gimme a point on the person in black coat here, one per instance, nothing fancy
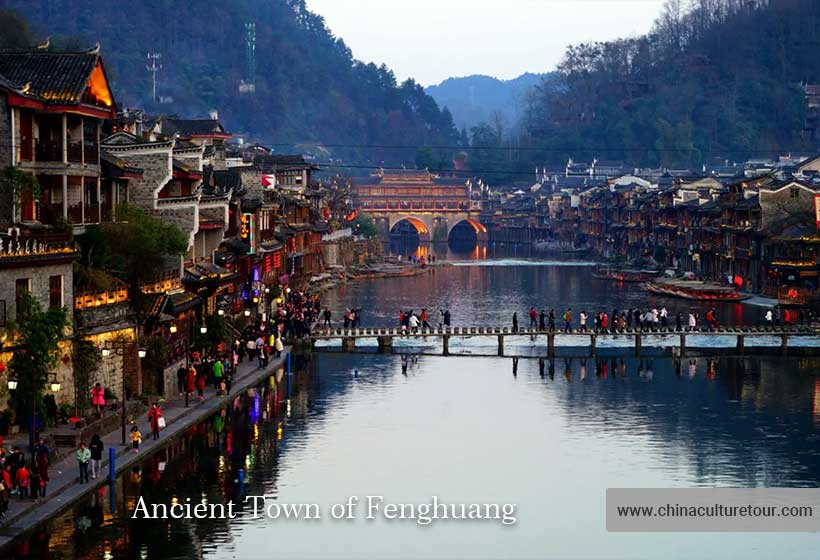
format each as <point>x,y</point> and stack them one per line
<point>96,448</point>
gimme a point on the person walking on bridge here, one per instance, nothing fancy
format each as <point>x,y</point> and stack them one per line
<point>551,321</point>
<point>542,321</point>
<point>326,315</point>
<point>533,317</point>
<point>515,322</point>
<point>583,318</point>
<point>568,320</point>
<point>413,322</point>
<point>424,322</point>
<point>446,317</point>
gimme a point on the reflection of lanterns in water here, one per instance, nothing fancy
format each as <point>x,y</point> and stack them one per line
<point>279,431</point>
<point>255,409</point>
<point>816,404</point>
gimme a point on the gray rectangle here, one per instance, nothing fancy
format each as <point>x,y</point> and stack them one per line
<point>713,510</point>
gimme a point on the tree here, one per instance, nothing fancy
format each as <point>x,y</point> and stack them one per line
<point>13,184</point>
<point>133,249</point>
<point>364,225</point>
<point>15,35</point>
<point>86,363</point>
<point>39,333</point>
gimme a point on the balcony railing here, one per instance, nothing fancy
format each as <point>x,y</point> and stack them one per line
<point>75,152</point>
<point>48,151</point>
<point>75,214</point>
<point>91,152</point>
<point>92,214</point>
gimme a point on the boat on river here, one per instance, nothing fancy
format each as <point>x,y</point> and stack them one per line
<point>695,290</point>
<point>626,274</point>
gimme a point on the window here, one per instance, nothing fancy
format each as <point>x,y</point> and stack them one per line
<point>55,290</point>
<point>22,286</point>
<point>2,313</point>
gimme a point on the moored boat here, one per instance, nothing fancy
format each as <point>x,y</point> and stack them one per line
<point>695,290</point>
<point>625,274</point>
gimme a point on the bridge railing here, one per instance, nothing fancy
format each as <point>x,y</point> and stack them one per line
<point>340,332</point>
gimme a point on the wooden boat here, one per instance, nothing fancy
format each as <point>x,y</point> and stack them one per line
<point>625,274</point>
<point>695,290</point>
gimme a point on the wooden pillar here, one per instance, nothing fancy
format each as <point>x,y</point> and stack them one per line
<point>784,344</point>
<point>65,197</point>
<point>348,344</point>
<point>501,345</point>
<point>592,340</point>
<point>637,344</point>
<point>682,345</point>
<point>551,345</point>
<point>741,343</point>
<point>445,351</point>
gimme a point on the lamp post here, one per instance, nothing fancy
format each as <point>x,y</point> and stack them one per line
<point>121,346</point>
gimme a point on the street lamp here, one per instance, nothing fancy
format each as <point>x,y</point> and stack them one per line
<point>12,384</point>
<point>220,312</point>
<point>55,385</point>
<point>173,329</point>
<point>141,353</point>
<point>106,352</point>
<point>247,313</point>
<point>203,329</point>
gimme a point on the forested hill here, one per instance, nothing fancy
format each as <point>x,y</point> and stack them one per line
<point>308,86</point>
<point>477,98</point>
<point>721,78</point>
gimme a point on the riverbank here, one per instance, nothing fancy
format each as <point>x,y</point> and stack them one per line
<point>64,488</point>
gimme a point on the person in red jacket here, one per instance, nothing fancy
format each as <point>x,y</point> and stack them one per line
<point>23,479</point>
<point>154,416</point>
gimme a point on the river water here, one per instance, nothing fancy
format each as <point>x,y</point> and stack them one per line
<point>547,435</point>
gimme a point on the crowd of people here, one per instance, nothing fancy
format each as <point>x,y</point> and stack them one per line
<point>215,366</point>
<point>645,320</point>
<point>410,321</point>
<point>27,479</point>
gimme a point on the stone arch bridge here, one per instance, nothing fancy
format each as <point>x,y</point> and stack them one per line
<point>428,224</point>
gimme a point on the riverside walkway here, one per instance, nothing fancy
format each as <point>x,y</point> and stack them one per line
<point>589,340</point>
<point>64,488</point>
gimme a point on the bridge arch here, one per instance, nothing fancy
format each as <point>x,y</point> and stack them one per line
<point>478,228</point>
<point>422,226</point>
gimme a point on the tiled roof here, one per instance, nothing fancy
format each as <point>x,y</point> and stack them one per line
<point>58,78</point>
<point>191,127</point>
<point>113,167</point>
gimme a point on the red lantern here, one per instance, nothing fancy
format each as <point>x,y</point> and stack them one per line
<point>2,367</point>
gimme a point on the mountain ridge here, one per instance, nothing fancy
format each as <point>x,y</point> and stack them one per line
<point>477,98</point>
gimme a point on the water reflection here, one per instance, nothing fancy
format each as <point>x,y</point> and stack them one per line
<point>364,424</point>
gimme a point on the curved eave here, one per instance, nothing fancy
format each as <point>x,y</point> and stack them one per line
<point>19,100</point>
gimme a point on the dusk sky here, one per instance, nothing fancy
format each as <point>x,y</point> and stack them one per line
<point>431,40</point>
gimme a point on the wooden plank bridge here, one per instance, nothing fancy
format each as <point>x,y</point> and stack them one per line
<point>639,339</point>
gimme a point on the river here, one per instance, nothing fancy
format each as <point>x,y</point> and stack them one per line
<point>548,436</point>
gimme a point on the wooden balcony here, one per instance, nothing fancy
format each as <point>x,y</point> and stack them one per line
<point>48,151</point>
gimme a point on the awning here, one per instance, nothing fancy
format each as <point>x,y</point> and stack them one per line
<point>181,302</point>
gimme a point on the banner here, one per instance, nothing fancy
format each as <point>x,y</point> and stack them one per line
<point>817,210</point>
